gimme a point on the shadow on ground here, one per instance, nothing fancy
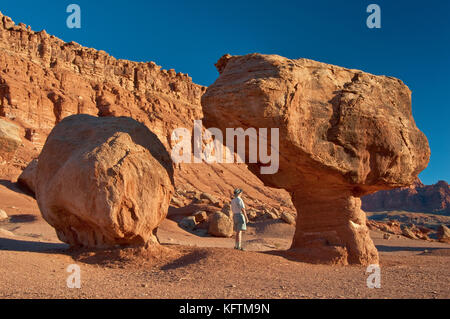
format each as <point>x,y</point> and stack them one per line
<point>15,187</point>
<point>24,218</point>
<point>31,246</point>
<point>186,260</point>
<point>382,248</point>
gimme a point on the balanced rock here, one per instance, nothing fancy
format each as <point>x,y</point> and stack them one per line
<point>220,225</point>
<point>342,134</point>
<point>103,182</point>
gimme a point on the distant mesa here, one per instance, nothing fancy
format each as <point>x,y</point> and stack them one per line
<point>415,198</point>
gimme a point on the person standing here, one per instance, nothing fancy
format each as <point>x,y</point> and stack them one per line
<point>240,217</point>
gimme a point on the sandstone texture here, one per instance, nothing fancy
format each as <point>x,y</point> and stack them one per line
<point>343,134</point>
<point>102,182</point>
<point>415,198</point>
<point>44,79</point>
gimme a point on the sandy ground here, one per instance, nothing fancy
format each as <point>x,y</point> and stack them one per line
<point>33,264</point>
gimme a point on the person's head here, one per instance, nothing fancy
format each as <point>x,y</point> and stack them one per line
<point>237,192</point>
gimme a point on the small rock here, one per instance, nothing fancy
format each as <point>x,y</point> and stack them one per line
<point>270,215</point>
<point>387,236</point>
<point>188,223</point>
<point>226,209</point>
<point>9,137</point>
<point>288,218</point>
<point>209,197</point>
<point>408,233</point>
<point>3,215</point>
<point>252,214</point>
<point>177,202</point>
<point>443,233</point>
<point>200,216</point>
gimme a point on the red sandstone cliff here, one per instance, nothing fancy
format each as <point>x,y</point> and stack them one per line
<point>43,80</point>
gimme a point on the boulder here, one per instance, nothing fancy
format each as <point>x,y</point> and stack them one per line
<point>443,233</point>
<point>103,182</point>
<point>10,139</point>
<point>220,225</point>
<point>188,223</point>
<point>28,176</point>
<point>343,134</point>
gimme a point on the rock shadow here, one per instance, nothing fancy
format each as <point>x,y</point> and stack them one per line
<point>16,187</point>
<point>7,244</point>
<point>24,218</point>
<point>186,260</point>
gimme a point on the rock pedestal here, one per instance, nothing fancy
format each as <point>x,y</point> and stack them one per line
<point>331,228</point>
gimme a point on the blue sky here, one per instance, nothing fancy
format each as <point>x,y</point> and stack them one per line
<point>413,43</point>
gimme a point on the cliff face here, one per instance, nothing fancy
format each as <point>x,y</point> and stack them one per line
<point>416,198</point>
<point>43,80</point>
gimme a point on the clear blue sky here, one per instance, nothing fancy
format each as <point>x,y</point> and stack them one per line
<point>190,36</point>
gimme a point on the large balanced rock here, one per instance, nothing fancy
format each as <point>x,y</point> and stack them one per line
<point>102,182</point>
<point>342,134</point>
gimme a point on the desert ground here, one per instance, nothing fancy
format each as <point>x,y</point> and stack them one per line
<point>33,264</point>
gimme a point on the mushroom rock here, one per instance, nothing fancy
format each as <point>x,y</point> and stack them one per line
<point>103,182</point>
<point>343,134</point>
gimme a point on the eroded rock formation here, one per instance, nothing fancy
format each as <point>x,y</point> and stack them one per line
<point>343,134</point>
<point>102,182</point>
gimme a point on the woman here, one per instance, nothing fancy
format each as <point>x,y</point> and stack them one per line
<point>239,217</point>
